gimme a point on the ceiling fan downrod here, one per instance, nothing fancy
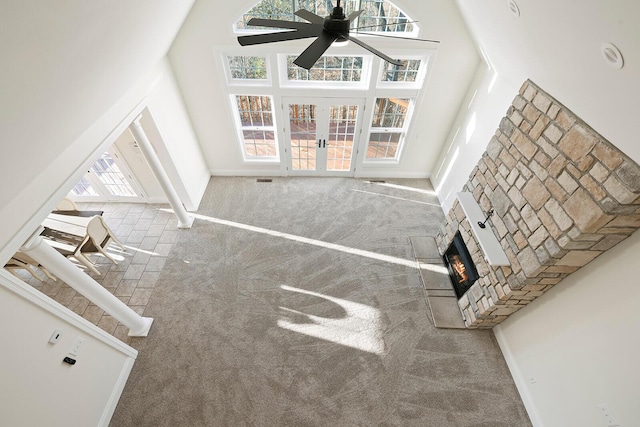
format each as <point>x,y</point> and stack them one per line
<point>337,22</point>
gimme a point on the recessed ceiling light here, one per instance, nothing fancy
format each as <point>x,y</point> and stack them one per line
<point>611,55</point>
<point>513,7</point>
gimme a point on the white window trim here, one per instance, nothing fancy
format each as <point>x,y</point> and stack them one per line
<point>246,82</point>
<point>240,136</point>
<point>420,77</point>
<point>403,131</point>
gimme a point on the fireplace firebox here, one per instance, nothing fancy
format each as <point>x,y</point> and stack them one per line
<point>462,269</point>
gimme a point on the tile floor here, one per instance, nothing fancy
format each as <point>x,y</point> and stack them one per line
<point>148,232</point>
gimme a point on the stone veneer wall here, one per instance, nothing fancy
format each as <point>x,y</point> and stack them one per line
<point>562,195</point>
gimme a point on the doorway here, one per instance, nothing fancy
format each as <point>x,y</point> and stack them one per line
<point>322,135</point>
<point>109,179</point>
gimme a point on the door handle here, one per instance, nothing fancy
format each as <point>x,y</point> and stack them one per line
<point>324,143</point>
<point>319,143</point>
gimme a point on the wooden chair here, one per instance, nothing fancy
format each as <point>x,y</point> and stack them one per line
<point>20,260</point>
<point>66,204</point>
<point>98,237</point>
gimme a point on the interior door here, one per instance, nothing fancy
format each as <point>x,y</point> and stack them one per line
<point>322,135</point>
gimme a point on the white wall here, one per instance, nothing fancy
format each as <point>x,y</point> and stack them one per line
<point>195,57</point>
<point>139,166</point>
<point>169,129</point>
<point>486,102</point>
<point>581,341</point>
<point>37,388</point>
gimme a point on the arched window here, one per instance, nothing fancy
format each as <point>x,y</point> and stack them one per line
<point>377,16</point>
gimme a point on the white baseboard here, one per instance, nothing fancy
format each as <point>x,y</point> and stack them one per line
<point>359,175</point>
<point>518,378</point>
<point>244,172</point>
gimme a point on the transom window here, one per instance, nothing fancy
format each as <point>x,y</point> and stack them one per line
<point>247,67</point>
<point>255,116</point>
<point>327,69</point>
<point>377,15</point>
<point>407,72</point>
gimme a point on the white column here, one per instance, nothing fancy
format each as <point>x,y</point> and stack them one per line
<point>184,220</point>
<point>70,274</point>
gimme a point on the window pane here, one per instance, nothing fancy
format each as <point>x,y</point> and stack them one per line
<point>327,69</point>
<point>111,177</point>
<point>83,188</point>
<point>383,145</point>
<point>258,143</point>
<point>390,112</point>
<point>256,120</point>
<point>248,67</point>
<point>254,110</point>
<point>380,15</point>
<point>407,72</point>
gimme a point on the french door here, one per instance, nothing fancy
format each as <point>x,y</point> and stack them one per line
<point>108,180</point>
<point>322,135</point>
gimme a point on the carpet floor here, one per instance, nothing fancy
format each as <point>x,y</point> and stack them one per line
<point>298,303</point>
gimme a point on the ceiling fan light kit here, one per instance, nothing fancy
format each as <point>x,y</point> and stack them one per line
<point>331,30</point>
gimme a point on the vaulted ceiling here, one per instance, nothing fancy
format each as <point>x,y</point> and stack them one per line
<point>65,63</point>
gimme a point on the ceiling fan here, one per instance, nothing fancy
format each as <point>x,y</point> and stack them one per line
<point>334,27</point>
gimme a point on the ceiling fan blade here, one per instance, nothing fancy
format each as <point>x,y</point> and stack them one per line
<point>315,50</point>
<point>372,50</point>
<point>354,15</point>
<point>309,16</point>
<point>397,37</point>
<point>278,37</point>
<point>278,23</point>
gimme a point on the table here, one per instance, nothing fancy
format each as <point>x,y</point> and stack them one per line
<point>73,226</point>
<point>78,213</point>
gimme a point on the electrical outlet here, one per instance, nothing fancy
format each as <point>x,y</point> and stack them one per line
<point>608,416</point>
<point>76,346</point>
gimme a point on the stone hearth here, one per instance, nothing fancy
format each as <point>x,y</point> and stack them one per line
<point>562,195</point>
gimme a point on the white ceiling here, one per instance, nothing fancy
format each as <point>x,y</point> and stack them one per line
<point>557,45</point>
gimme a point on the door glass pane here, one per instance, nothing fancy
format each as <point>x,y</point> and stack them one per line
<point>110,175</point>
<point>83,188</point>
<point>342,128</point>
<point>302,122</point>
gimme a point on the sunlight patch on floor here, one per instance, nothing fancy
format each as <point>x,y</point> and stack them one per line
<point>438,268</point>
<point>404,187</point>
<point>359,328</point>
<point>396,197</point>
<point>314,242</point>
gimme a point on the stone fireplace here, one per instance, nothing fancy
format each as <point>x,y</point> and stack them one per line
<point>562,195</point>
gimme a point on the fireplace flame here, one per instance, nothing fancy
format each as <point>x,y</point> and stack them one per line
<point>459,269</point>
